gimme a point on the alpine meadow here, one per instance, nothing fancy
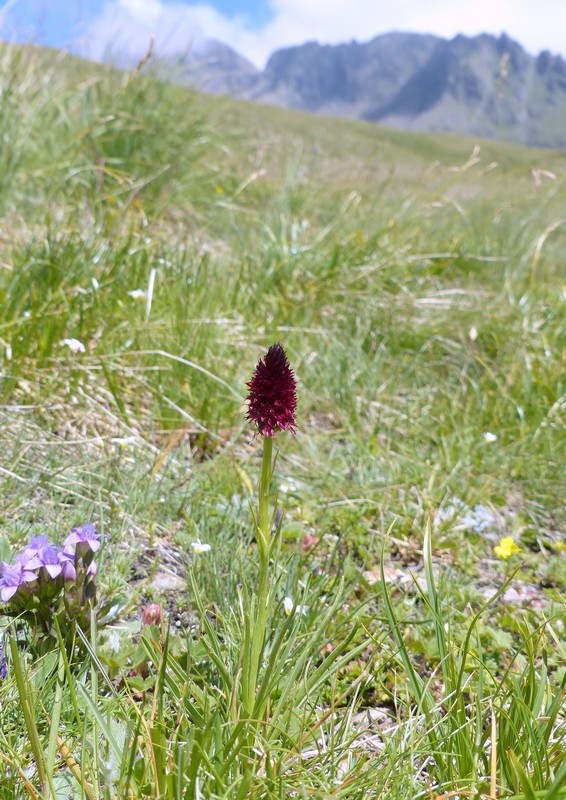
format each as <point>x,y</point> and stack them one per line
<point>282,423</point>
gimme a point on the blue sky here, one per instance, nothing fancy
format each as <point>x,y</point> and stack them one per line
<point>257,27</point>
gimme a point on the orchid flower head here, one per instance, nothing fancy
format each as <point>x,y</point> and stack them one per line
<point>272,397</point>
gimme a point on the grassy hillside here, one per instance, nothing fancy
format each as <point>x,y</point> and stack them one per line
<point>418,285</point>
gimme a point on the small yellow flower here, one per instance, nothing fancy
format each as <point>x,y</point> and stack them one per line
<point>506,547</point>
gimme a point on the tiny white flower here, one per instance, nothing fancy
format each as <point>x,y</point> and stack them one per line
<point>137,294</point>
<point>124,441</point>
<point>291,485</point>
<point>74,345</point>
<point>114,641</point>
<point>473,333</point>
<point>490,437</point>
<point>288,605</point>
<point>200,547</point>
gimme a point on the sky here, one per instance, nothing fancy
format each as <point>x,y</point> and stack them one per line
<point>122,29</point>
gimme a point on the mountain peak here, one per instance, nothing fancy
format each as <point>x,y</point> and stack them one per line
<point>483,85</point>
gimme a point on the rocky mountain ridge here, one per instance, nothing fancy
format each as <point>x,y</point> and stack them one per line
<point>482,86</point>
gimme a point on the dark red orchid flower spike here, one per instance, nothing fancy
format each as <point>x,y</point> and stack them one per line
<point>273,394</point>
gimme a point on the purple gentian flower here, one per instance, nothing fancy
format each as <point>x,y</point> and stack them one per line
<point>13,576</point>
<point>40,553</point>
<point>30,556</point>
<point>82,541</point>
<point>51,560</point>
<point>38,543</point>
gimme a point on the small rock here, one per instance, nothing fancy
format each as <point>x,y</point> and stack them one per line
<point>168,582</point>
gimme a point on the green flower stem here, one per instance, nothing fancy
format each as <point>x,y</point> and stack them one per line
<point>94,681</point>
<point>264,532</point>
<point>263,535</point>
<point>26,700</point>
<point>56,713</point>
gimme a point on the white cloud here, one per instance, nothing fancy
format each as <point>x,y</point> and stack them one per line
<point>341,20</point>
<point>126,26</point>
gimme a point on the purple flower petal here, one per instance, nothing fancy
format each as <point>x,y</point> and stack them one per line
<point>8,592</point>
<point>53,570</point>
<point>38,543</point>
<point>50,555</point>
<point>69,549</point>
<point>87,531</point>
<point>68,571</point>
<point>29,560</point>
<point>28,576</point>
